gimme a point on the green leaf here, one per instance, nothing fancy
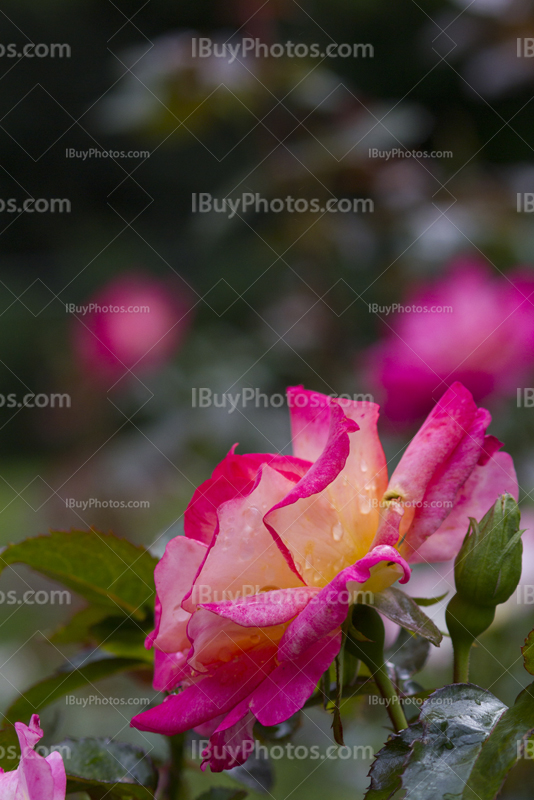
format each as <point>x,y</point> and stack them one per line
<point>123,637</point>
<point>528,653</point>
<point>104,569</point>
<point>65,682</point>
<point>78,629</point>
<point>222,793</point>
<point>500,752</point>
<point>108,769</point>
<point>429,601</point>
<point>409,654</point>
<point>9,748</point>
<point>456,721</point>
<point>386,770</point>
<point>403,610</point>
<point>433,758</point>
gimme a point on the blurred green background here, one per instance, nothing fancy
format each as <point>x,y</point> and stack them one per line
<point>266,300</point>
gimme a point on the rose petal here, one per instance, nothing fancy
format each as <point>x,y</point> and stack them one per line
<point>307,520</point>
<point>450,476</point>
<point>310,421</point>
<point>231,746</point>
<point>174,575</point>
<point>169,670</point>
<point>476,497</point>
<point>287,688</point>
<point>266,608</point>
<point>389,527</point>
<point>432,445</point>
<point>216,640</point>
<point>35,778</point>
<point>208,698</point>
<point>490,447</point>
<point>243,558</point>
<point>329,608</point>
<point>233,477</point>
<point>59,776</point>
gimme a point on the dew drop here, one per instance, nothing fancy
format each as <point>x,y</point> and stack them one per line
<point>252,516</point>
<point>225,654</point>
<point>365,505</point>
<point>337,532</point>
<point>363,465</point>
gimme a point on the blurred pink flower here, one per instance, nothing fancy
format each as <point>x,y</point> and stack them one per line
<point>486,341</point>
<point>135,322</point>
<point>36,777</point>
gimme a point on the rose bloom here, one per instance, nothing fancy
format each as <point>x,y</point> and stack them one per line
<point>36,777</point>
<point>486,341</point>
<point>116,335</point>
<point>250,601</point>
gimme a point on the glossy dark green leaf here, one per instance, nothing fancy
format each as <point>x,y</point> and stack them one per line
<point>107,769</point>
<point>434,757</point>
<point>502,749</point>
<point>403,610</point>
<point>387,769</point>
<point>408,653</point>
<point>62,683</point>
<point>528,653</point>
<point>222,793</point>
<point>456,721</point>
<point>104,569</point>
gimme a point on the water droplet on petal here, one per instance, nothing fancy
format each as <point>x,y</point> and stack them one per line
<point>225,654</point>
<point>365,505</point>
<point>253,516</point>
<point>337,532</point>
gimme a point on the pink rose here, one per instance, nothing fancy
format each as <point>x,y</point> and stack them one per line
<point>135,322</point>
<point>251,599</point>
<point>36,777</point>
<point>486,341</point>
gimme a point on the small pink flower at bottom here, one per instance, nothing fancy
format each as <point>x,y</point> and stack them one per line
<point>250,602</point>
<point>36,777</point>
